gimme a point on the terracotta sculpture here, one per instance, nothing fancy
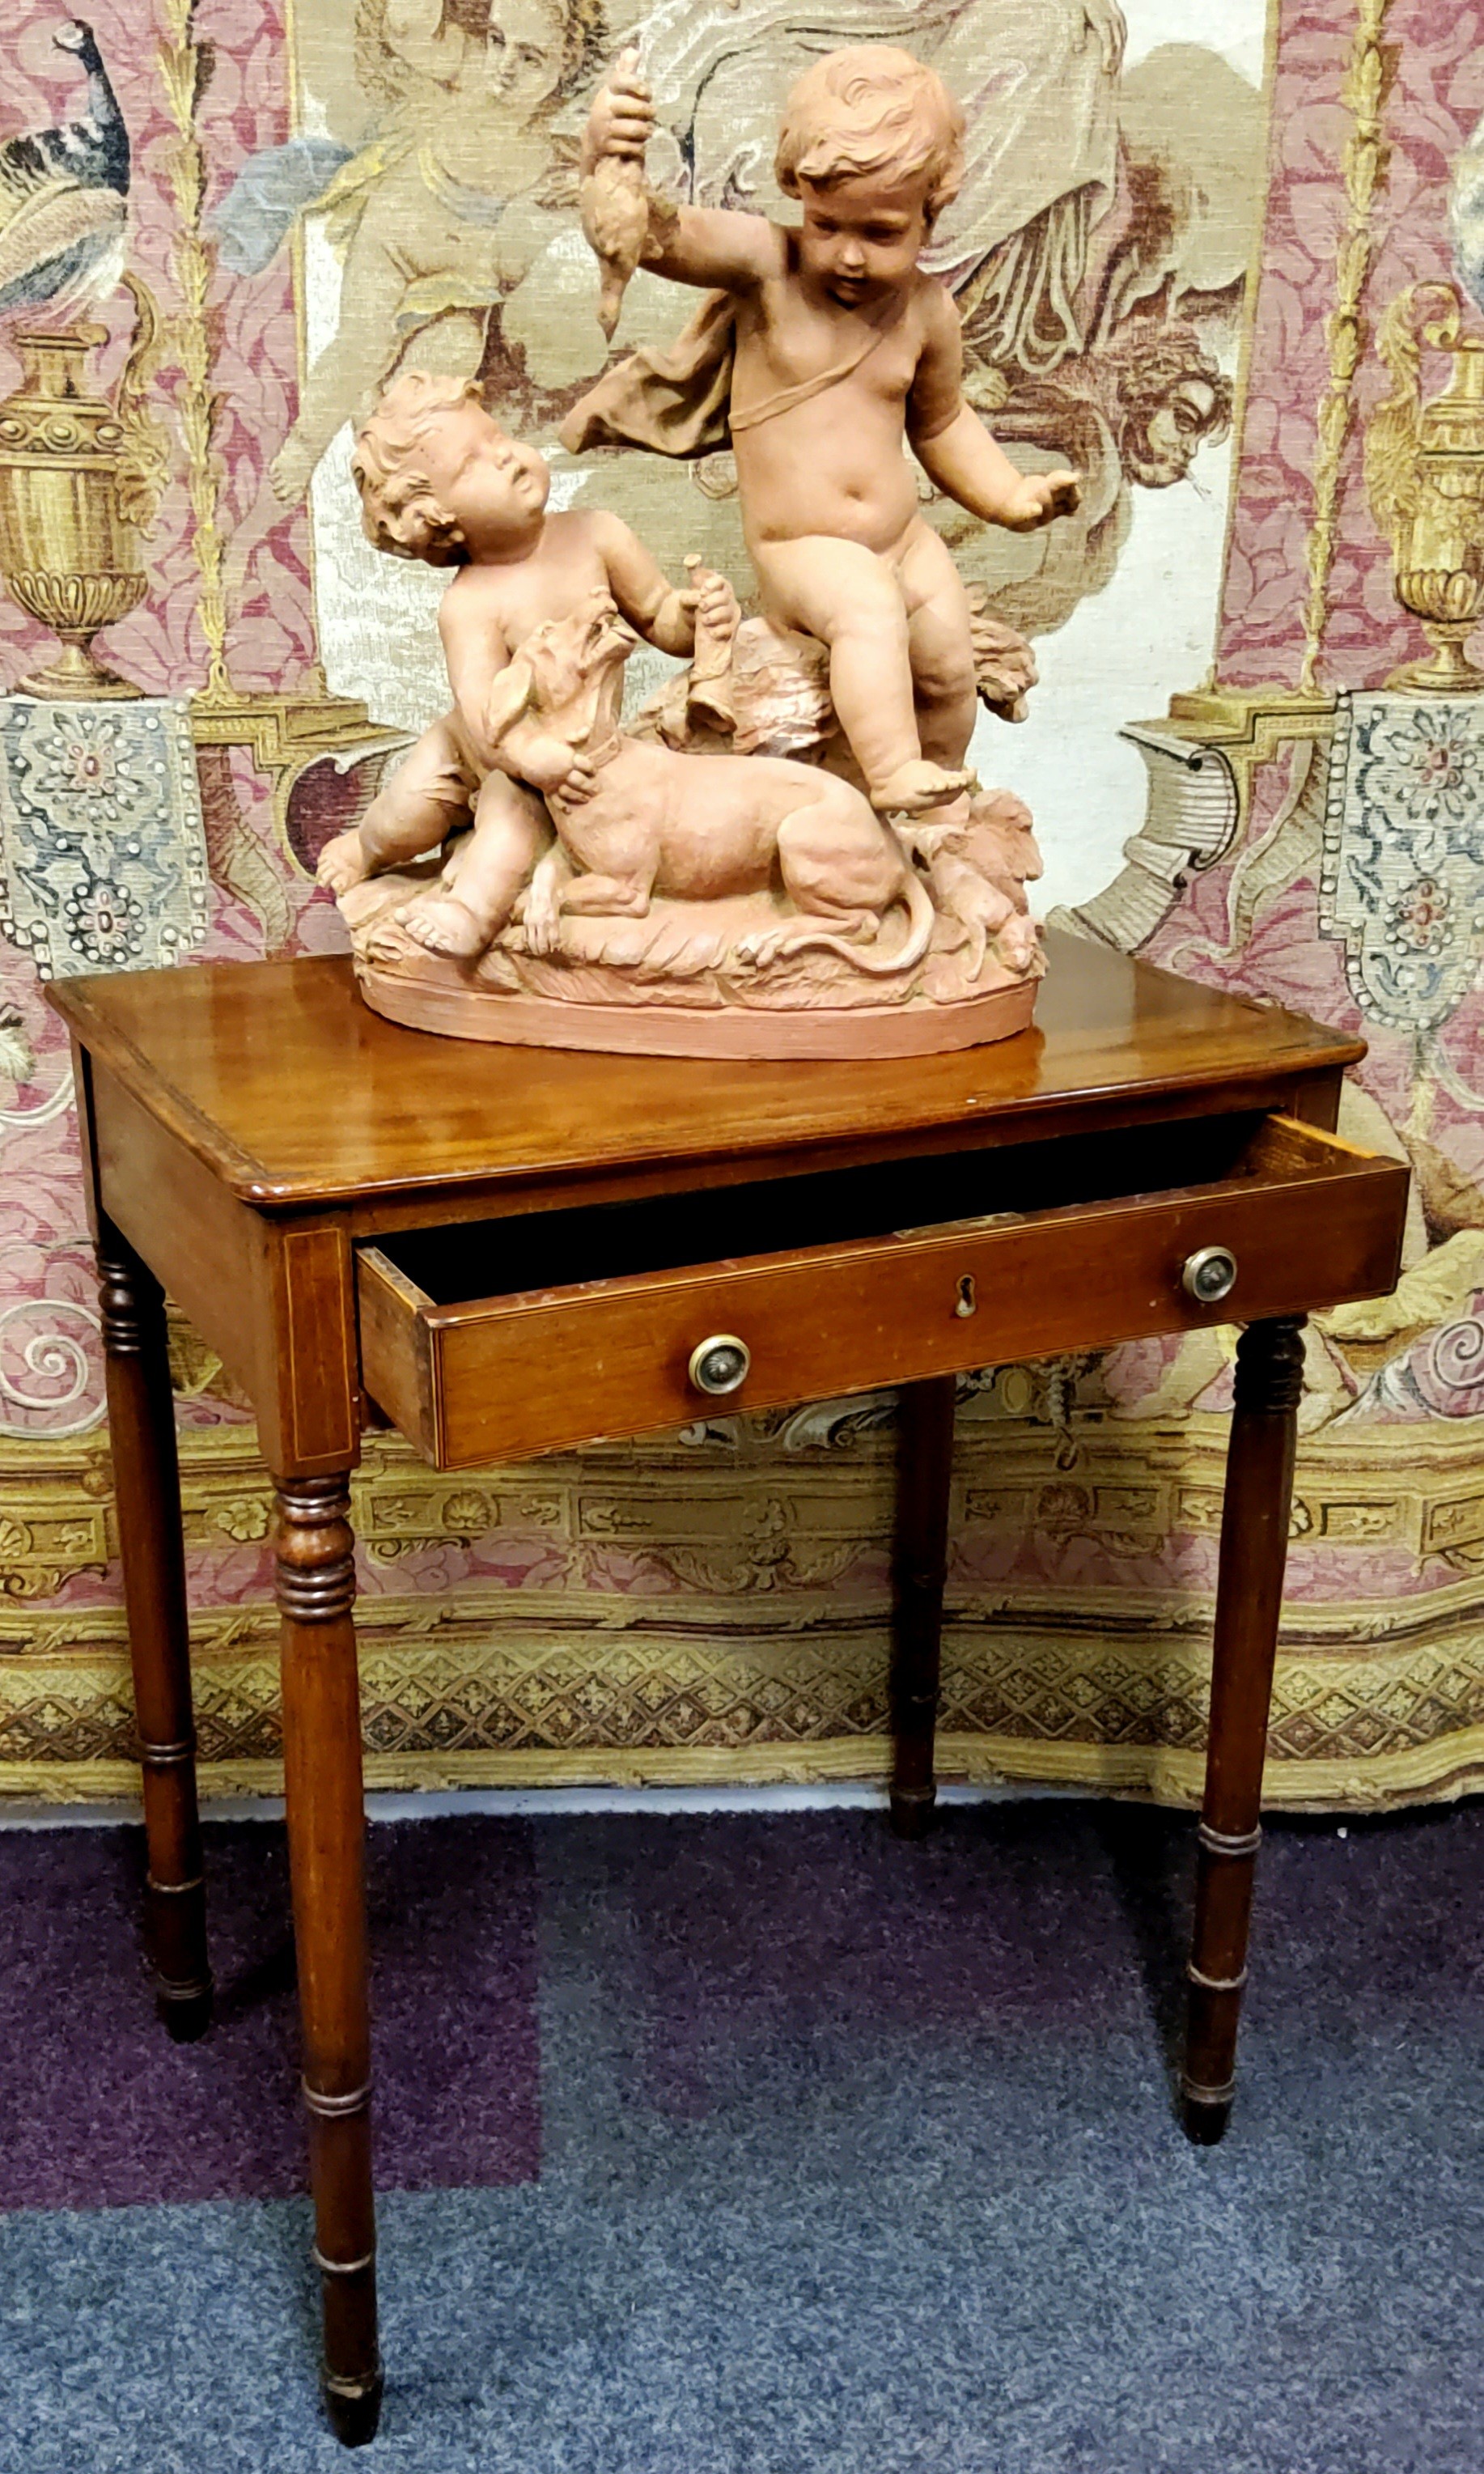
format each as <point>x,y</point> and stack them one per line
<point>683,884</point>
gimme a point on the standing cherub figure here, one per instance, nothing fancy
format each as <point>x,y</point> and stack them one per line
<point>842,347</point>
<point>440,480</point>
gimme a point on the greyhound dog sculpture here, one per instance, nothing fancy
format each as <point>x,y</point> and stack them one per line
<point>695,828</point>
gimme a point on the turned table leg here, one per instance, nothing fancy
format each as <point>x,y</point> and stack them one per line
<point>925,1414</point>
<point>147,1494</point>
<point>1249,1600</point>
<point>322,1765</point>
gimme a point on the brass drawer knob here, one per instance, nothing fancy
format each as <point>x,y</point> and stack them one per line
<point>719,1364</point>
<point>1210,1275</point>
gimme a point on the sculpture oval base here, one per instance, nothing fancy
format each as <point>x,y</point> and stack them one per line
<point>651,1029</point>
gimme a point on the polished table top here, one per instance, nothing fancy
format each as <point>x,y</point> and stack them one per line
<point>297,1096</point>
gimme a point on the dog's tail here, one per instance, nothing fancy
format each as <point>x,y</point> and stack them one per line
<point>921,920</point>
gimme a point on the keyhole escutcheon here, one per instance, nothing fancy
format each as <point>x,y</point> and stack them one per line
<point>967,1302</point>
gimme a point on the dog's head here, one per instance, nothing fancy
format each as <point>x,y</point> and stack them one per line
<point>564,671</point>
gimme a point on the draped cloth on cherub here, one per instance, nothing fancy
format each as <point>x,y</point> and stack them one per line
<point>677,400</point>
<point>674,399</point>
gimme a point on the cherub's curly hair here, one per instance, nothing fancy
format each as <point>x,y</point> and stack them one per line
<point>383,76</point>
<point>871,109</point>
<point>399,509</point>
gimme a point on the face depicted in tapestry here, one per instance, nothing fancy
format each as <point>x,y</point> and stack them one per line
<point>441,212</point>
<point>1135,416</point>
<point>1163,449</point>
<point>524,57</point>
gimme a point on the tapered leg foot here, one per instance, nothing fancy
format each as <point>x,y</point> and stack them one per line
<point>322,1767</point>
<point>184,2011</point>
<point>911,1813</point>
<point>924,1474</point>
<point>176,1913</point>
<point>353,2408</point>
<point>1206,2117</point>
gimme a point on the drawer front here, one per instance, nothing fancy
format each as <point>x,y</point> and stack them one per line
<point>504,1377</point>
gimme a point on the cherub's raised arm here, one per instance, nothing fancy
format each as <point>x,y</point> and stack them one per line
<point>714,246</point>
<point>704,245</point>
<point>641,587</point>
<point>710,246</point>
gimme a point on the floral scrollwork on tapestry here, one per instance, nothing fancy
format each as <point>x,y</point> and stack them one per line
<point>103,856</point>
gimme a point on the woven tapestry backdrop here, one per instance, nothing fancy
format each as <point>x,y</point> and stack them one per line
<point>1179,251</point>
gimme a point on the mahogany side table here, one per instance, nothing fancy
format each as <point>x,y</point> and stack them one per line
<point>510,1251</point>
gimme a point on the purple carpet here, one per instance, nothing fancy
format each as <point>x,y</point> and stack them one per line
<point>98,2109</point>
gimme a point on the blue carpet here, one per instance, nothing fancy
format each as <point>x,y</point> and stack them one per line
<point>856,2159</point>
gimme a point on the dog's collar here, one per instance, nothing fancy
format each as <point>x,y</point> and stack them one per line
<point>606,751</point>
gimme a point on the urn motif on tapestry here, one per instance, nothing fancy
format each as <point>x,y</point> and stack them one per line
<point>80,480</point>
<point>1425,475</point>
<point>81,474</point>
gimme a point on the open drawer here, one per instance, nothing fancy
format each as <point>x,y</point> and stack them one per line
<point>495,1339</point>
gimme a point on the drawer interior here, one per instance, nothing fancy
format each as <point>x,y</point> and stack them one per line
<point>541,1251</point>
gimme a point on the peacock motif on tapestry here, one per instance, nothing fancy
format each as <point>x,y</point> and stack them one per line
<point>64,197</point>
